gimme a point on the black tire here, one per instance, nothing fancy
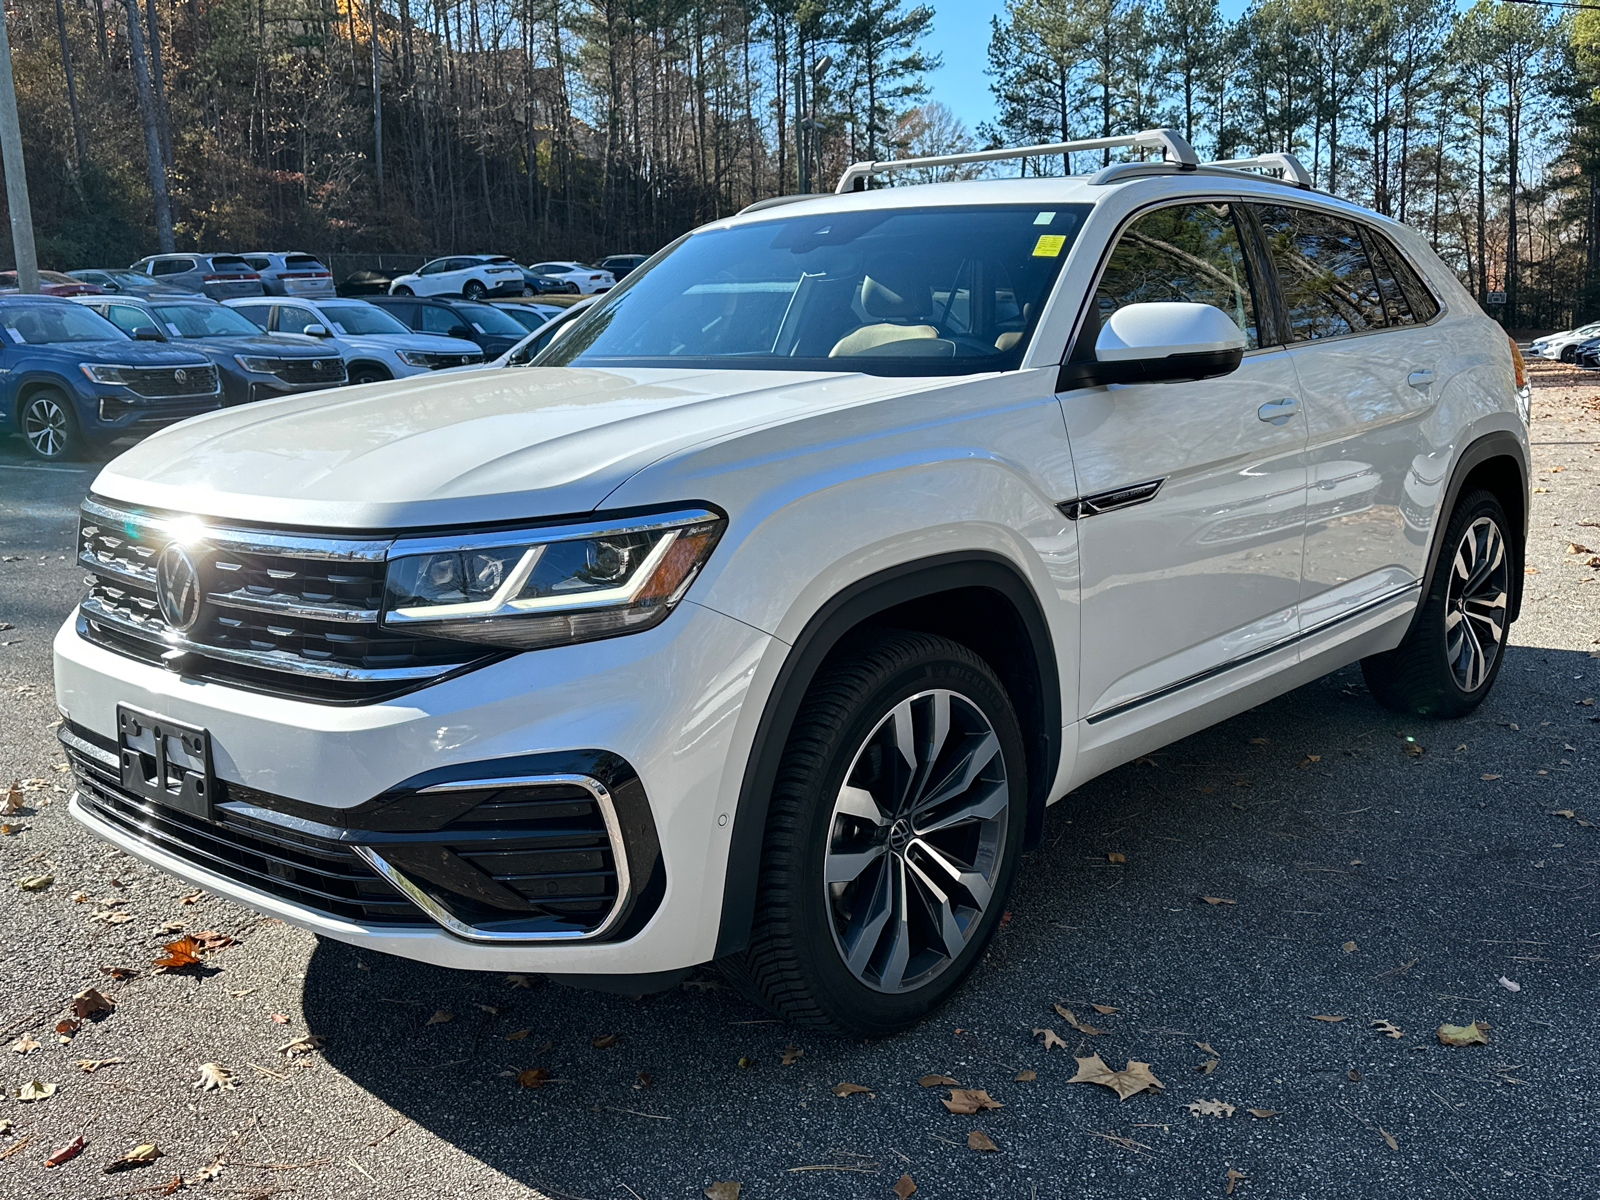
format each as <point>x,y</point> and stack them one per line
<point>527,291</point>
<point>474,290</point>
<point>403,290</point>
<point>1434,672</point>
<point>572,289</point>
<point>796,962</point>
<point>368,373</point>
<point>50,426</point>
<point>1569,353</point>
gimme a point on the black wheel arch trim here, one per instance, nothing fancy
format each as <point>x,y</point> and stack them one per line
<point>1499,443</point>
<point>844,612</point>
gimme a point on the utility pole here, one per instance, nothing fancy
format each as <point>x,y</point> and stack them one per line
<point>16,175</point>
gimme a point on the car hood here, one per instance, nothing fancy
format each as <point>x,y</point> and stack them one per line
<point>470,447</point>
<point>123,350</point>
<point>383,342</point>
<point>293,345</point>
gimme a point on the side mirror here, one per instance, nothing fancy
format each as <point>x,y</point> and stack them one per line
<point>1159,343</point>
<point>317,329</point>
<point>459,331</point>
<point>147,333</point>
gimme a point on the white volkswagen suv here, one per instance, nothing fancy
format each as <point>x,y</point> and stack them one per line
<point>761,623</point>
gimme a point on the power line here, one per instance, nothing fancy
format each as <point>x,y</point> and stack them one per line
<point>1555,4</point>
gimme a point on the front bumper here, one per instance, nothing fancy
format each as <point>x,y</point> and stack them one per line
<point>665,702</point>
<point>113,412</point>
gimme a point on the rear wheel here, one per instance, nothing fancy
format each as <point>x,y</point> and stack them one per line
<point>572,289</point>
<point>402,290</point>
<point>474,290</point>
<point>1452,654</point>
<point>51,427</point>
<point>1568,353</point>
<point>894,831</point>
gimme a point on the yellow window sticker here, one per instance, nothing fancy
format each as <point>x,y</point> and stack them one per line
<point>1049,245</point>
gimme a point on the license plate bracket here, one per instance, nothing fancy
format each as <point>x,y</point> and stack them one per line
<point>166,761</point>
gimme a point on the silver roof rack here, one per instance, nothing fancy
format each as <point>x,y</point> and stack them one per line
<point>1287,165</point>
<point>1173,144</point>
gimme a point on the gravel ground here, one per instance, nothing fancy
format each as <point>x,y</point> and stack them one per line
<point>1366,881</point>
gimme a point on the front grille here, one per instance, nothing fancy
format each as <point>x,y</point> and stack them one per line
<point>438,362</point>
<point>289,614</point>
<point>163,382</point>
<point>309,370</point>
<point>319,873</point>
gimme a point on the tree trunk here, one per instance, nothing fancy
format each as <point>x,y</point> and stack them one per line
<point>72,89</point>
<point>158,86</point>
<point>155,164</point>
<point>377,105</point>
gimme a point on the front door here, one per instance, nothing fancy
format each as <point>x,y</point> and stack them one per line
<point>1191,496</point>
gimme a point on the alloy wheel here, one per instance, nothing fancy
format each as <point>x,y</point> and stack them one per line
<point>916,841</point>
<point>47,427</point>
<point>1475,605</point>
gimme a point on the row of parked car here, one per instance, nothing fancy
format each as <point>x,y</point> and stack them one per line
<point>80,372</point>
<point>1580,346</point>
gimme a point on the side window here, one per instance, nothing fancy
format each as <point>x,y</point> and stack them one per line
<point>294,319</point>
<point>1187,252</point>
<point>432,268</point>
<point>258,313</point>
<point>259,263</point>
<point>1424,307</point>
<point>168,266</point>
<point>128,318</point>
<point>1394,301</point>
<point>439,320</point>
<point>1328,284</point>
<point>406,314</point>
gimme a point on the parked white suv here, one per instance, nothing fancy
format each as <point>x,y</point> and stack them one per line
<point>761,623</point>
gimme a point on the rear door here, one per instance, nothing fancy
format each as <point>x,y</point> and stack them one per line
<point>1368,363</point>
<point>1191,496</point>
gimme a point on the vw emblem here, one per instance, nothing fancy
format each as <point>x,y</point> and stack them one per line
<point>178,588</point>
<point>316,364</point>
<point>180,376</point>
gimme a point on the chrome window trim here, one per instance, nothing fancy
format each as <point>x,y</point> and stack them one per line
<point>472,933</point>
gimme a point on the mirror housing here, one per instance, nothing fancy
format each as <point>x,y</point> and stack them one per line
<point>147,333</point>
<point>1167,342</point>
<point>317,330</point>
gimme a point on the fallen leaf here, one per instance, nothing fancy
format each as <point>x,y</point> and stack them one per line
<point>1388,1029</point>
<point>1564,812</point>
<point>903,1187</point>
<point>185,952</point>
<point>1264,1112</point>
<point>727,1189</point>
<point>544,1047</point>
<point>645,1079</point>
<point>35,1090</point>
<point>8,828</point>
<point>68,1026</point>
<point>604,1041</point>
<point>970,1100</point>
<point>35,883</point>
<point>1210,1108</point>
<point>1026,1075</point>
<point>1353,1075</point>
<point>24,1044</point>
<point>139,1156</point>
<point>518,981</point>
<point>1538,491</point>
<point>112,916</point>
<point>7,1127</point>
<point>210,939</point>
<point>88,1002</point>
<point>13,799</point>
<point>1349,947</point>
<point>1464,1035</point>
<point>1260,741</point>
<point>279,1019</point>
<point>66,1153</point>
<point>211,1172</point>
<point>1116,858</point>
<point>306,1044</point>
<point>120,972</point>
<point>1051,1038</point>
<point>849,1089</point>
<point>791,1055</point>
<point>937,1081</point>
<point>91,1065</point>
<point>1206,1046</point>
<point>1488,778</point>
<point>190,897</point>
<point>1509,985</point>
<point>1234,1178</point>
<point>1072,1020</point>
<point>746,1062</point>
<point>1413,749</point>
<point>1207,1067</point>
<point>518,1035</point>
<point>977,1139</point>
<point>1308,760</point>
<point>215,1077</point>
<point>1132,1079</point>
<point>175,1185</point>
<point>1105,1010</point>
<point>441,1016</point>
<point>1327,1018</point>
<point>533,1077</point>
<point>1388,1138</point>
<point>1217,900</point>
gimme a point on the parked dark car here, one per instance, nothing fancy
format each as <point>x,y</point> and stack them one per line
<point>530,315</point>
<point>366,283</point>
<point>493,330</point>
<point>1586,355</point>
<point>286,273</point>
<point>71,382</point>
<point>123,282</point>
<point>52,283</point>
<point>220,276</point>
<point>620,264</point>
<point>254,365</point>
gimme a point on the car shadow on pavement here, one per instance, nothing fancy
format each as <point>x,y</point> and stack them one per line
<point>1335,837</point>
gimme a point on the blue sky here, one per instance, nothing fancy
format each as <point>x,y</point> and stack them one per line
<point>961,37</point>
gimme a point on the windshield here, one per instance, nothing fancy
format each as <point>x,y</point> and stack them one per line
<point>361,318</point>
<point>485,318</point>
<point>40,324</point>
<point>199,321</point>
<point>934,291</point>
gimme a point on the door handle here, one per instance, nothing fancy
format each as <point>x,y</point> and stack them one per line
<point>1276,412</point>
<point>1420,379</point>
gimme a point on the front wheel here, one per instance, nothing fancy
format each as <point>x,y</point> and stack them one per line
<point>474,290</point>
<point>894,831</point>
<point>364,373</point>
<point>51,427</point>
<point>1569,353</point>
<point>1452,654</point>
<point>402,290</point>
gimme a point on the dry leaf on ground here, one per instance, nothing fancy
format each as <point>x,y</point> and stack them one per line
<point>645,1079</point>
<point>215,1077</point>
<point>938,1081</point>
<point>904,1186</point>
<point>970,1100</point>
<point>1116,858</point>
<point>210,939</point>
<point>1388,1029</point>
<point>1132,1079</point>
<point>139,1156</point>
<point>441,1016</point>
<point>1210,1108</point>
<point>533,1077</point>
<point>35,883</point>
<point>977,1139</point>
<point>849,1089</point>
<point>1026,1075</point>
<point>35,1089</point>
<point>1348,947</point>
<point>91,1065</point>
<point>604,1041</point>
<point>1264,1112</point>
<point>68,1026</point>
<point>518,1035</point>
<point>1234,1179</point>
<point>66,1153</point>
<point>727,1189</point>
<point>191,897</point>
<point>1105,1010</point>
<point>306,1044</point>
<point>1509,985</point>
<point>1388,1138</point>
<point>12,801</point>
<point>518,981</point>
<point>24,1044</point>
<point>1327,1018</point>
<point>791,1055</point>
<point>185,952</point>
<point>1465,1035</point>
<point>1218,900</point>
<point>89,1001</point>
<point>1207,1067</point>
<point>120,972</point>
<point>1067,1015</point>
<point>1051,1038</point>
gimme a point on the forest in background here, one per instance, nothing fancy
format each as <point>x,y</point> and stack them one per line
<point>576,128</point>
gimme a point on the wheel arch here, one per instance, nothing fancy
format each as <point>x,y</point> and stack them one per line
<point>356,364</point>
<point>976,598</point>
<point>30,385</point>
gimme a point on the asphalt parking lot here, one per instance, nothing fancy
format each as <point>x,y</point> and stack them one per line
<point>1371,868</point>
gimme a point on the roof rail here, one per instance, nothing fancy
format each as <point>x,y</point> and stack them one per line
<point>1172,143</point>
<point>1290,167</point>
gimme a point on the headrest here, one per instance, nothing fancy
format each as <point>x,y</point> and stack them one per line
<point>895,286</point>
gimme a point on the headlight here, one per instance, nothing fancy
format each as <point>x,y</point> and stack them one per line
<point>259,366</point>
<point>99,373</point>
<point>527,589</point>
<point>415,358</point>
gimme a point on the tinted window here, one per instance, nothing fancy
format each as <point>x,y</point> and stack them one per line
<point>259,313</point>
<point>361,318</point>
<point>302,262</point>
<point>406,313</point>
<point>1424,307</point>
<point>45,324</point>
<point>128,317</point>
<point>294,319</point>
<point>1328,285</point>
<point>1395,307</point>
<point>434,267</point>
<point>1188,253</point>
<point>228,262</point>
<point>259,264</point>
<point>197,321</point>
<point>171,266</point>
<point>439,320</point>
<point>488,319</point>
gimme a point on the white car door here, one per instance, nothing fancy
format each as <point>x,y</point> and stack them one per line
<point>1369,368</point>
<point>435,278</point>
<point>1191,496</point>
